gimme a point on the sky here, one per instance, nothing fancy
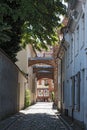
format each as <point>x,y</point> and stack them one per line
<point>61,15</point>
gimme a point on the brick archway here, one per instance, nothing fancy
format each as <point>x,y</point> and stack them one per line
<point>45,75</point>
<point>38,60</point>
<point>42,68</point>
<point>48,61</point>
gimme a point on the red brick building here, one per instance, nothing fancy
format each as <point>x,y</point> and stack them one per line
<point>45,87</point>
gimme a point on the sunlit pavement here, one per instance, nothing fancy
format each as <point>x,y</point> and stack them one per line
<point>40,116</point>
<point>41,107</point>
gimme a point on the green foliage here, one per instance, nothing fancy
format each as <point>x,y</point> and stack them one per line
<point>27,98</point>
<point>3,35</point>
<point>53,96</point>
<point>39,39</point>
<point>10,28</point>
<point>67,0</point>
<point>42,20</point>
<point>38,20</point>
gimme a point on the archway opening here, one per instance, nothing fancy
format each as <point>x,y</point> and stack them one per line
<point>45,90</point>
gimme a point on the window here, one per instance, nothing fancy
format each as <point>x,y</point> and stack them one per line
<point>71,50</point>
<point>77,100</point>
<point>82,31</point>
<point>68,56</point>
<point>76,41</point>
<point>73,91</point>
<point>42,82</point>
<point>76,92</point>
<point>40,93</point>
<point>46,82</point>
<point>83,28</point>
<point>63,93</point>
<point>39,82</point>
<point>46,92</point>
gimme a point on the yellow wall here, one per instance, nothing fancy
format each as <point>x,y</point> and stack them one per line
<point>22,63</point>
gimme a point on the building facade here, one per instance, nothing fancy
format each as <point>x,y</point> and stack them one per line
<point>23,57</point>
<point>73,64</point>
<point>45,89</point>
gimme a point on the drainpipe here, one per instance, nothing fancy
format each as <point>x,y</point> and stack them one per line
<point>61,88</point>
<point>72,114</point>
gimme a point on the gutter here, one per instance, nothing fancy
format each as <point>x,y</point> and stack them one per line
<point>65,122</point>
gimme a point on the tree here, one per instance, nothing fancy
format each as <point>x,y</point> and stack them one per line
<point>39,30</point>
<point>10,28</point>
<point>31,21</point>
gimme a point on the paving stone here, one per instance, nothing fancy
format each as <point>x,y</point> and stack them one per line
<point>40,116</point>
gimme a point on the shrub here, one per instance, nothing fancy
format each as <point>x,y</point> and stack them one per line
<point>53,96</point>
<point>27,98</point>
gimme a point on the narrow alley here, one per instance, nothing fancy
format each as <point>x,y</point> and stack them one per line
<point>43,65</point>
<point>40,116</point>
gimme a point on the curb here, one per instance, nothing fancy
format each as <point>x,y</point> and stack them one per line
<point>67,124</point>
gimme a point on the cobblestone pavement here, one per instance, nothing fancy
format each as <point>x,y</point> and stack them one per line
<point>40,116</point>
